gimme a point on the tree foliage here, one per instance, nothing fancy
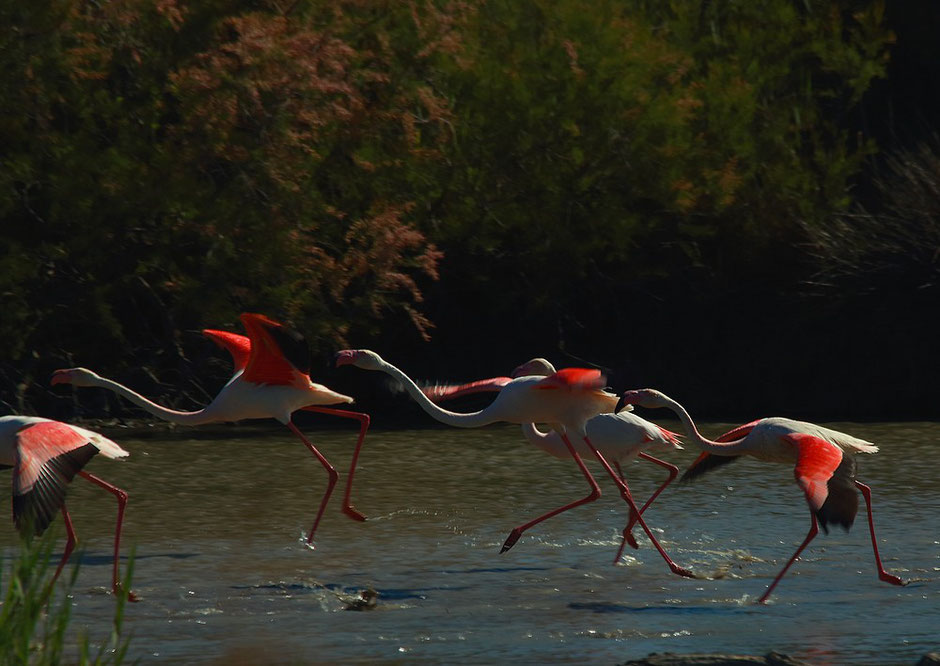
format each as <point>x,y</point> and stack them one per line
<point>580,169</point>
<point>167,165</point>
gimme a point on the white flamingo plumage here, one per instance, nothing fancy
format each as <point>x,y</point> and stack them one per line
<point>271,380</point>
<point>621,437</point>
<point>45,456</point>
<point>823,459</point>
<point>566,399</point>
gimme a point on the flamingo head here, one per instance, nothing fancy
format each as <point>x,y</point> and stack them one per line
<point>536,367</point>
<point>361,358</point>
<point>649,398</point>
<point>75,377</point>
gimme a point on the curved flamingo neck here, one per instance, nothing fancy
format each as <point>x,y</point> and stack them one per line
<point>165,413</point>
<point>471,420</point>
<point>549,442</point>
<point>720,448</point>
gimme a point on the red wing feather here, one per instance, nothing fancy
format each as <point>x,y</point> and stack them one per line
<point>577,378</point>
<point>237,345</point>
<point>827,476</point>
<point>451,391</point>
<point>267,362</point>
<point>48,456</point>
<point>706,462</point>
<point>817,460</point>
<point>740,432</point>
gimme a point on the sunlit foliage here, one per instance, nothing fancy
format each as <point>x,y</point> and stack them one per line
<point>168,164</point>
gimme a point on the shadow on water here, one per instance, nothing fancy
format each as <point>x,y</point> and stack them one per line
<point>613,607</point>
<point>386,593</point>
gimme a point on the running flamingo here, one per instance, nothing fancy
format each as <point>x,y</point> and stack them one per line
<point>824,466</point>
<point>620,437</point>
<point>567,399</point>
<point>271,380</point>
<point>45,456</point>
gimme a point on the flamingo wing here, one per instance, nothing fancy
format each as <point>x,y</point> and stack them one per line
<point>706,462</point>
<point>827,477</point>
<point>277,352</point>
<point>48,456</point>
<point>439,392</point>
<point>237,345</point>
<point>574,378</point>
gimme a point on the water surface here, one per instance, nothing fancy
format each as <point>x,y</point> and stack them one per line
<point>217,518</point>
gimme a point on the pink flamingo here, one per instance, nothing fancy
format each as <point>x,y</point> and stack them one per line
<point>45,456</point>
<point>824,466</point>
<point>621,437</point>
<point>567,399</point>
<point>271,380</point>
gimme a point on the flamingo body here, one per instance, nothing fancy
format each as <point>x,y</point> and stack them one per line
<point>823,464</point>
<point>271,380</point>
<point>620,437</point>
<point>46,456</point>
<point>567,399</point>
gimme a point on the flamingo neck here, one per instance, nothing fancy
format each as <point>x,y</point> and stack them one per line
<point>471,420</point>
<point>549,442</point>
<point>719,448</point>
<point>165,413</point>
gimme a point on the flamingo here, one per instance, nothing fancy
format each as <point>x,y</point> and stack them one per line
<point>824,466</point>
<point>620,437</point>
<point>271,380</point>
<point>567,399</point>
<point>45,456</point>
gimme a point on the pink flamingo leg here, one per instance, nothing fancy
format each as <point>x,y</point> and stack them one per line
<point>69,544</point>
<point>882,574</point>
<point>121,496</point>
<point>628,530</point>
<point>363,419</point>
<point>625,493</point>
<point>813,531</point>
<point>627,535</point>
<point>332,483</point>
<point>594,495</point>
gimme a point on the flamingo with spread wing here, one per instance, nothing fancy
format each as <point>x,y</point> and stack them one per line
<point>271,380</point>
<point>566,399</point>
<point>621,437</point>
<point>824,460</point>
<point>45,456</point>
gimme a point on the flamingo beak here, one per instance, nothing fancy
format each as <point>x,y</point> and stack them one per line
<point>344,357</point>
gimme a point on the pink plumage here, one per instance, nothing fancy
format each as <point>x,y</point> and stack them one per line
<point>823,460</point>
<point>271,380</point>
<point>46,456</point>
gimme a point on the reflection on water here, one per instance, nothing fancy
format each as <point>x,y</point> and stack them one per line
<point>217,526</point>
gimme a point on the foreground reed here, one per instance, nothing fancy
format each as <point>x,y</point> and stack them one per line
<point>35,614</point>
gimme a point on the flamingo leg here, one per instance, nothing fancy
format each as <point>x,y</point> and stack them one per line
<point>69,544</point>
<point>627,534</point>
<point>332,482</point>
<point>363,419</point>
<point>882,574</point>
<point>628,530</point>
<point>625,493</point>
<point>594,495</point>
<point>813,531</point>
<point>121,496</point>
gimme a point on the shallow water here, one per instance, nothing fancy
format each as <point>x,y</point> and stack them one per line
<point>216,522</point>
